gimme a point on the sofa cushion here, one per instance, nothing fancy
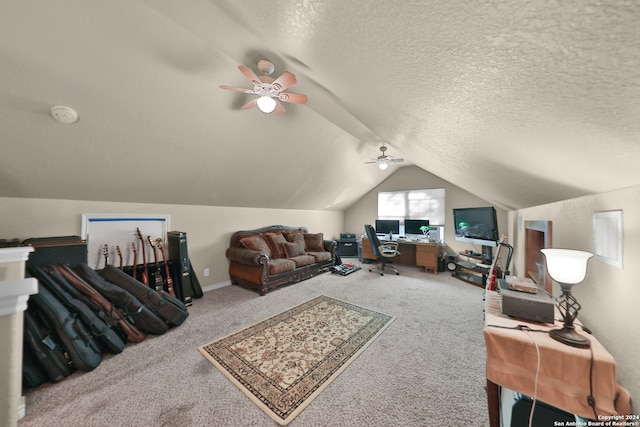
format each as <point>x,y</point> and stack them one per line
<point>281,265</point>
<point>302,260</point>
<point>320,256</point>
<point>256,243</point>
<point>275,241</point>
<point>314,242</point>
<point>293,249</point>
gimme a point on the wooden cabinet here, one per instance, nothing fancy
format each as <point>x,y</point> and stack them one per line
<point>367,253</point>
<point>427,256</point>
<point>411,253</point>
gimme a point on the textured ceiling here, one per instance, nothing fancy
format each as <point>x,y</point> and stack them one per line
<point>519,102</point>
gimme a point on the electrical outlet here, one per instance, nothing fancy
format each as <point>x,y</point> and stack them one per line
<point>206,272</point>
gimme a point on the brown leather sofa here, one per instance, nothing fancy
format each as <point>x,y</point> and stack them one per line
<point>277,255</point>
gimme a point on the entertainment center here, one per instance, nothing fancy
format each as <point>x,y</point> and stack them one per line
<point>477,226</point>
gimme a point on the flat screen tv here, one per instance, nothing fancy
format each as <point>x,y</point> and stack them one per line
<point>386,226</point>
<point>412,226</point>
<point>476,225</point>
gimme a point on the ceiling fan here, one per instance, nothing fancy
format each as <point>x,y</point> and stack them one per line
<point>269,91</point>
<point>384,161</point>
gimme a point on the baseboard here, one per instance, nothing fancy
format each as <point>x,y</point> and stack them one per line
<point>211,287</point>
<point>22,410</point>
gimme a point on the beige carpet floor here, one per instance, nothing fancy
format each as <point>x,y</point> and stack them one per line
<point>426,369</point>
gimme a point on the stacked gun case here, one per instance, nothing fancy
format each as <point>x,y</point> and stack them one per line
<point>80,313</point>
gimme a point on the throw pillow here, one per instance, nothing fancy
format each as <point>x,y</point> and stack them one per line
<point>293,249</point>
<point>295,237</point>
<point>256,243</point>
<point>275,242</point>
<point>314,242</point>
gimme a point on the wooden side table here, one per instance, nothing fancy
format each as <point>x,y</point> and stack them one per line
<point>567,376</point>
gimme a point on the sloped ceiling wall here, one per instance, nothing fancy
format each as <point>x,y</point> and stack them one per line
<point>521,103</point>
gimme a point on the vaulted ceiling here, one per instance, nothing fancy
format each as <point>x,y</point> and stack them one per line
<point>520,102</point>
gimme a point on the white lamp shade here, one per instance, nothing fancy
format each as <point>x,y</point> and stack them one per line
<point>383,166</point>
<point>266,104</point>
<point>566,265</point>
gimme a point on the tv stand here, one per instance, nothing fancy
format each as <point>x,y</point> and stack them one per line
<point>467,269</point>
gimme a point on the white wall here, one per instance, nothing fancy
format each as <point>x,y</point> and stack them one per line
<point>609,296</point>
<point>365,210</point>
<point>208,228</point>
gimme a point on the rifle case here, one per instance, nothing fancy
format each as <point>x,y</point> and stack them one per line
<point>44,356</point>
<point>107,337</point>
<point>169,308</point>
<point>141,315</point>
<point>73,333</point>
<point>187,285</point>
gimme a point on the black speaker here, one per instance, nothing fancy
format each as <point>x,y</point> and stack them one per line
<point>450,261</point>
<point>348,248</point>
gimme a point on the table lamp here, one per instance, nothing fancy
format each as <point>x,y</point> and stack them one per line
<point>567,267</point>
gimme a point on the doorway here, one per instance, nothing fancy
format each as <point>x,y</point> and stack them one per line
<point>537,236</point>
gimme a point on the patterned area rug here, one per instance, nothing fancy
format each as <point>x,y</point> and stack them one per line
<point>284,362</point>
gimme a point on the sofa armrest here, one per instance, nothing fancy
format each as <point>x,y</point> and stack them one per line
<point>247,256</point>
<point>330,246</point>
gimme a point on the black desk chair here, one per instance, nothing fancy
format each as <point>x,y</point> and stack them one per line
<point>382,251</point>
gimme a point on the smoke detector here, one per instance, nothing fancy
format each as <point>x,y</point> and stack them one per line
<point>64,115</point>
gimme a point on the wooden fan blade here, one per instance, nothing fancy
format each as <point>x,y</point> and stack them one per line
<point>294,98</point>
<point>248,73</point>
<point>279,108</point>
<point>236,89</point>
<point>249,104</point>
<point>285,80</point>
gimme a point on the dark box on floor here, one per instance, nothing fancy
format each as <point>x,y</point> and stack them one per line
<point>70,250</point>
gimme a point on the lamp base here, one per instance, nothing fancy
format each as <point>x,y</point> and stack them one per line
<point>569,336</point>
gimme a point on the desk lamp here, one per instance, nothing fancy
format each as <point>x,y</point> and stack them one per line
<point>567,267</point>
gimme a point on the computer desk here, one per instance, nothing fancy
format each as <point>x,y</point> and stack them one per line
<point>423,254</point>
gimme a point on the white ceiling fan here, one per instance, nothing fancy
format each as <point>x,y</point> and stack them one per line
<point>384,161</point>
<point>269,91</point>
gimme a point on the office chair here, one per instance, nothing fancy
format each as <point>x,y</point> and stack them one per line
<point>382,251</point>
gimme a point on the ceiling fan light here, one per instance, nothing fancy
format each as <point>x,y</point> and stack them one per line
<point>383,166</point>
<point>266,104</point>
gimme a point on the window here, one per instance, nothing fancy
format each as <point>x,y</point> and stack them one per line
<point>415,204</point>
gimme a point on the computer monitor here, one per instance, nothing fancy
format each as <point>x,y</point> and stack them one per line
<point>386,226</point>
<point>412,226</point>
